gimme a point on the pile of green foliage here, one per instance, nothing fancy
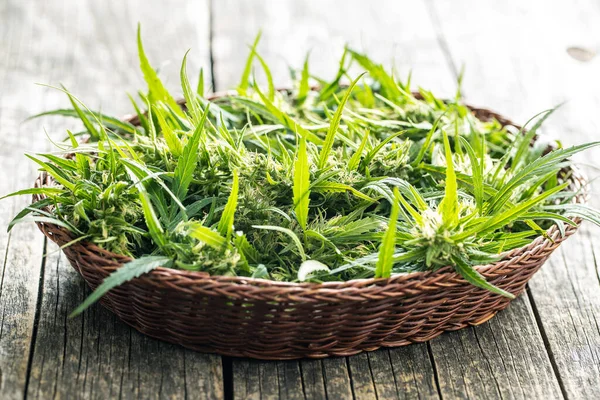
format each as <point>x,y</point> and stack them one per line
<point>346,181</point>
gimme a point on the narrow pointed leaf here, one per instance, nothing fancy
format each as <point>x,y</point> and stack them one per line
<point>289,233</point>
<point>184,171</point>
<point>301,187</point>
<point>449,204</point>
<point>206,235</point>
<point>225,226</point>
<point>125,273</point>
<point>385,261</point>
<point>471,275</point>
<point>244,81</point>
<point>301,184</point>
<point>156,89</point>
<point>334,126</point>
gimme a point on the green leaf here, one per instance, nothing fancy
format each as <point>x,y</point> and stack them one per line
<point>142,118</point>
<point>57,173</point>
<point>413,213</point>
<point>550,216</point>
<point>336,187</point>
<point>186,164</point>
<point>334,85</point>
<point>471,275</point>
<point>356,157</point>
<point>156,90</point>
<point>286,120</point>
<point>28,210</point>
<point>319,236</point>
<point>389,88</point>
<point>371,154</point>
<point>200,88</point>
<point>171,138</point>
<point>334,126</point>
<point>289,233</point>
<point>526,139</point>
<point>89,126</point>
<point>108,121</point>
<point>44,220</point>
<point>191,102</point>
<point>225,226</point>
<point>304,88</point>
<point>244,81</point>
<point>538,167</point>
<point>125,273</point>
<point>246,249</point>
<point>385,261</point>
<point>144,174</point>
<point>449,204</point>
<point>267,71</point>
<point>191,211</point>
<point>45,191</point>
<point>152,222</point>
<point>425,146</point>
<point>301,184</point>
<point>494,222</point>
<point>63,163</point>
<point>206,235</point>
<point>476,172</point>
<point>582,211</point>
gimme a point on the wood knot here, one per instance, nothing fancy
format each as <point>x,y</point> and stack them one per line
<point>581,54</point>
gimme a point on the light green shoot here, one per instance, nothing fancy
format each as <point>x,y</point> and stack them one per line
<point>385,261</point>
<point>301,184</point>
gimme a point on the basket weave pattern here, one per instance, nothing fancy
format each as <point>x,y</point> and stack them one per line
<point>264,319</point>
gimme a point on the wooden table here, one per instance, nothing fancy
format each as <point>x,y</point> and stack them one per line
<point>546,345</point>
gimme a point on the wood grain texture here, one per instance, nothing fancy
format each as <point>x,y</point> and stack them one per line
<point>306,379</point>
<point>267,380</point>
<point>521,72</point>
<point>400,373</point>
<point>506,359</point>
<point>327,378</point>
<point>21,250</point>
<point>90,47</point>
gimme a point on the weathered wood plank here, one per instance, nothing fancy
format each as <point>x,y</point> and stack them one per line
<point>21,250</point>
<point>20,262</point>
<point>267,380</point>
<point>532,67</point>
<point>402,373</point>
<point>413,373</point>
<point>310,379</point>
<point>568,304</point>
<point>327,378</point>
<point>93,356</point>
<point>506,359</point>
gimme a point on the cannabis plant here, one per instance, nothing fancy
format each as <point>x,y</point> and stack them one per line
<point>326,181</point>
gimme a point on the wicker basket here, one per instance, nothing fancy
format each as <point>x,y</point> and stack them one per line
<point>264,319</point>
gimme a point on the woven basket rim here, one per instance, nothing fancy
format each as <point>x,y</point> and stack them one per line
<point>577,178</point>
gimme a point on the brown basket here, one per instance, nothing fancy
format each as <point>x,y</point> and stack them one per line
<point>264,319</point>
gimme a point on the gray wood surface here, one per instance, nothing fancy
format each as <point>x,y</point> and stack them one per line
<point>546,345</point>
